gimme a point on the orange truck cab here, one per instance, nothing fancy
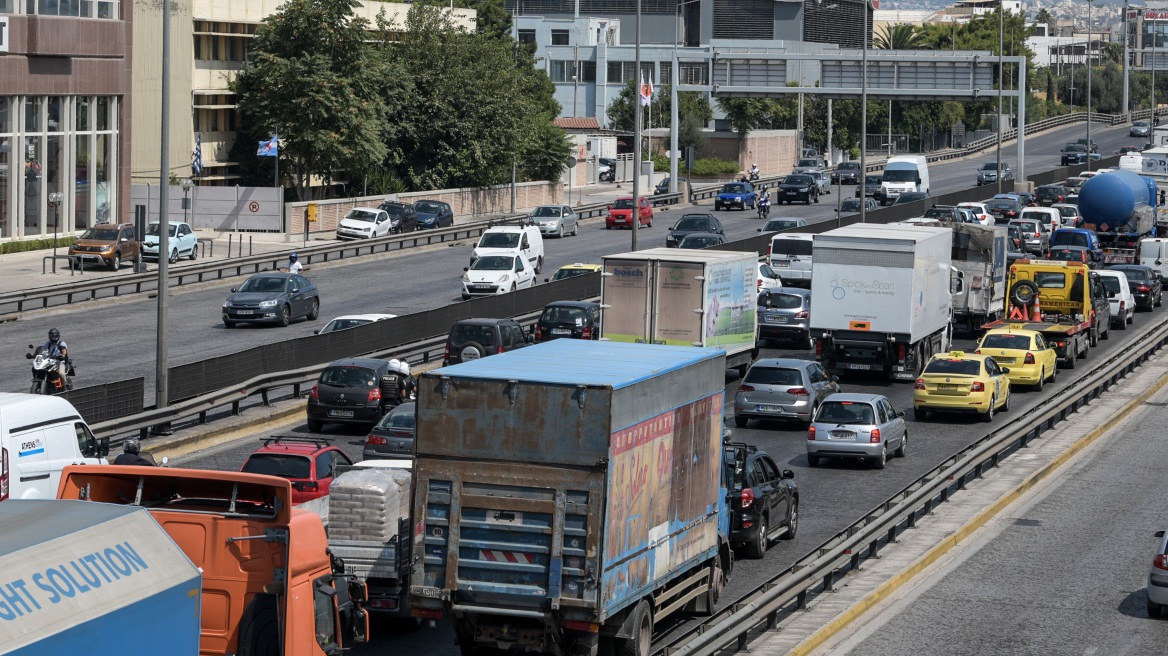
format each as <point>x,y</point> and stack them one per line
<point>269,582</point>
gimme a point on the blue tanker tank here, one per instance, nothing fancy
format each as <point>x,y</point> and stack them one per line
<point>1118,205</point>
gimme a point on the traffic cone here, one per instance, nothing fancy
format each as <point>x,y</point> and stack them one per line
<point>1036,309</point>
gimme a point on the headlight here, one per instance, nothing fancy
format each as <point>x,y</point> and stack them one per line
<point>268,304</point>
<point>226,303</point>
<point>503,278</point>
<point>466,278</point>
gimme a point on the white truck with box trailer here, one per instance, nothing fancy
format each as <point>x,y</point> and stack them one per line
<point>979,256</point>
<point>882,297</point>
<point>683,298</point>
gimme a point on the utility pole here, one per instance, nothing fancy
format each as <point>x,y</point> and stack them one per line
<point>1089,48</point>
<point>636,211</point>
<point>864,119</point>
<point>1126,65</point>
<point>1001,45</point>
<point>161,373</point>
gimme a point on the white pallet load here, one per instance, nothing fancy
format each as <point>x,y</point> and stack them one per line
<point>366,504</point>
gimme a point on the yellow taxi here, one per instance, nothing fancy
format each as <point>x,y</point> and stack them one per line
<point>1028,357</point>
<point>962,382</point>
<point>570,270</point>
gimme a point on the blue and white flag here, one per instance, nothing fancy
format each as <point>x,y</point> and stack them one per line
<point>197,156</point>
<point>269,148</point>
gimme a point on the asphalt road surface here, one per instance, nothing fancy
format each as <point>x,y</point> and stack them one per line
<point>1068,576</point>
<point>114,339</point>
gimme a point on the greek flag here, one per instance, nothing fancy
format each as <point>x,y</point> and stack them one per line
<point>197,156</point>
<point>269,147</point>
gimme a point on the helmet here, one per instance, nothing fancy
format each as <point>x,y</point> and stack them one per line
<point>292,256</point>
<point>133,445</point>
<point>54,335</point>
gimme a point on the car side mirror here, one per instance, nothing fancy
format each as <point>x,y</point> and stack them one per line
<point>316,332</point>
<point>125,239</point>
<point>1005,370</point>
<point>234,289</point>
<point>531,339</point>
<point>788,474</point>
<point>547,279</point>
<point>466,268</point>
<point>1159,534</point>
<point>102,447</point>
<point>900,414</point>
<point>28,355</point>
<point>835,379</point>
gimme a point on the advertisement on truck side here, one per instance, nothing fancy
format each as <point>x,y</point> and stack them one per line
<point>731,305</point>
<point>626,285</point>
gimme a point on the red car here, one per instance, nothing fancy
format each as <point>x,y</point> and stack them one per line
<point>620,213</point>
<point>308,462</point>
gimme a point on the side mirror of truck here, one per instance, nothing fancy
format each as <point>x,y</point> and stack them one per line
<point>102,447</point>
<point>358,591</point>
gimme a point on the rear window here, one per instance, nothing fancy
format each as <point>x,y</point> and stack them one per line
<point>773,376</point>
<point>1065,238</point>
<point>791,247</point>
<point>1037,216</point>
<point>954,367</point>
<point>499,240</point>
<point>693,224</point>
<point>1021,342</point>
<point>1111,283</point>
<point>1135,274</point>
<point>781,301</point>
<point>573,315</point>
<point>348,377</point>
<point>846,412</point>
<point>398,419</point>
<point>279,464</point>
<point>568,273</point>
<point>1050,279</point>
<point>465,333</point>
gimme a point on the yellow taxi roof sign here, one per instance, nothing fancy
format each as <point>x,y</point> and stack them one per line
<point>957,354</point>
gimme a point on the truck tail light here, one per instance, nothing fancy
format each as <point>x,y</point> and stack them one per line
<point>309,486</point>
<point>920,384</point>
<point>747,498</point>
<point>3,474</point>
<point>977,387</point>
<point>586,627</point>
<point>538,332</point>
<point>587,334</point>
<point>426,613</point>
<point>901,351</point>
<point>811,433</point>
<point>818,348</point>
<point>1029,358</point>
<point>314,393</point>
<point>746,388</point>
<point>875,438</point>
<point>376,440</point>
<point>798,391</point>
<point>446,353</point>
<point>1160,561</point>
<point>374,394</point>
<point>802,314</point>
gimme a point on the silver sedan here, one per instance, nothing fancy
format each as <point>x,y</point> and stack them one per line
<point>556,220</point>
<point>782,389</point>
<point>822,180</point>
<point>863,426</point>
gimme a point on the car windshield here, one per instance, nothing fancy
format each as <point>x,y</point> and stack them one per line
<point>955,367</point>
<point>361,215</point>
<point>427,207</point>
<point>1074,182</point>
<point>564,314</point>
<point>101,234</point>
<point>780,301</point>
<point>798,180</point>
<point>732,189</point>
<point>1075,148</point>
<point>873,179</point>
<point>783,224</point>
<point>152,230</point>
<point>773,376</point>
<point>1004,341</point>
<point>808,162</point>
<point>1065,238</point>
<point>278,464</point>
<point>1140,124</point>
<point>939,213</point>
<point>850,205</point>
<point>1037,216</point>
<point>992,166</point>
<point>393,209</point>
<point>348,377</point>
<point>1002,205</point>
<point>401,417</point>
<point>1111,283</point>
<point>1134,274</point>
<point>910,197</point>
<point>791,247</point>
<point>499,240</point>
<point>343,324</point>
<point>623,204</point>
<point>1049,191</point>
<point>263,284</point>
<point>1068,211</point>
<point>568,273</point>
<point>849,166</point>
<point>845,412</point>
<point>493,263</point>
<point>900,175</point>
<point>464,333</point>
<point>693,224</point>
<point>699,242</point>
<point>547,211</point>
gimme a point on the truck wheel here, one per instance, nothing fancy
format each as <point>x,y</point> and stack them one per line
<point>259,631</point>
<point>1023,293</point>
<point>717,585</point>
<point>639,644</point>
<point>740,421</point>
<point>1071,359</point>
<point>1106,332</point>
<point>1095,336</point>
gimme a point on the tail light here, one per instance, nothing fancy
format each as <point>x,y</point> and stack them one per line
<point>314,393</point>
<point>818,348</point>
<point>310,486</point>
<point>587,334</point>
<point>1160,562</point>
<point>376,440</point>
<point>1060,199</point>
<point>446,353</point>
<point>1122,305</point>
<point>3,474</point>
<point>538,332</point>
<point>799,391</point>
<point>500,349</point>
<point>920,384</point>
<point>746,388</point>
<point>747,498</point>
<point>1011,213</point>
<point>374,394</point>
<point>1029,358</point>
<point>875,438</point>
<point>811,433</point>
<point>802,314</point>
<point>977,387</point>
<point>1143,289</point>
<point>902,350</point>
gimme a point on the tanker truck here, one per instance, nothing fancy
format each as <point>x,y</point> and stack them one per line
<point>1120,207</point>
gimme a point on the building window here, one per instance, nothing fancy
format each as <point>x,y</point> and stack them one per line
<point>588,71</point>
<point>693,73</point>
<point>78,8</point>
<point>65,144</point>
<point>560,38</point>
<point>622,72</point>
<point>525,36</point>
<point>561,70</point>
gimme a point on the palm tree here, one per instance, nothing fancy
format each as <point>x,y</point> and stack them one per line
<point>898,37</point>
<point>1043,17</point>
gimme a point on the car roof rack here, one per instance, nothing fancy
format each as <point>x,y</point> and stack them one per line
<point>277,439</point>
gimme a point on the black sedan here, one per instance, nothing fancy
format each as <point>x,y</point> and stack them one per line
<point>1004,210</point>
<point>393,436</point>
<point>689,224</point>
<point>795,187</point>
<point>764,499</point>
<point>701,240</point>
<point>272,298</point>
<point>433,214</point>
<point>1145,285</point>
<point>846,173</point>
<point>1073,154</point>
<point>871,186</point>
<point>402,216</point>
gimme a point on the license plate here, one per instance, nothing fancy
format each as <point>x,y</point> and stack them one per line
<point>618,220</point>
<point>482,286</point>
<point>858,367</point>
<point>946,386</point>
<point>776,319</point>
<point>340,413</point>
<point>1004,360</point>
<point>561,331</point>
<point>244,312</point>
<point>792,193</point>
<point>770,408</point>
<point>842,435</point>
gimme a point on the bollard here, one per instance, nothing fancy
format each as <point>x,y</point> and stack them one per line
<point>230,239</point>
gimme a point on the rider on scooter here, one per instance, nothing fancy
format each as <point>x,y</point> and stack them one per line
<point>764,204</point>
<point>57,349</point>
<point>133,455</point>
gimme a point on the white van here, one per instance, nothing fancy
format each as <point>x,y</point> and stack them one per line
<point>1154,254</point>
<point>1051,218</point>
<point>40,436</point>
<point>790,257</point>
<point>512,240</point>
<point>904,173</point>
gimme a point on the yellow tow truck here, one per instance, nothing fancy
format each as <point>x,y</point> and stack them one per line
<point>1065,301</point>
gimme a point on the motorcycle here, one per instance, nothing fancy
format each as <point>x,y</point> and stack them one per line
<point>754,175</point>
<point>764,208</point>
<point>50,375</point>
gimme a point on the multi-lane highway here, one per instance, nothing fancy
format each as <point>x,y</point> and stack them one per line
<point>113,339</point>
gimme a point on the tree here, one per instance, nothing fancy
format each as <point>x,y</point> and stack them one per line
<point>1044,17</point>
<point>690,133</point>
<point>492,17</point>
<point>313,81</point>
<point>897,37</point>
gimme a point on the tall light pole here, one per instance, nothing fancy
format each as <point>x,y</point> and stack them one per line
<point>864,119</point>
<point>1126,64</point>
<point>636,212</point>
<point>55,199</point>
<point>1001,46</point>
<point>161,374</point>
<point>1089,48</point>
<point>1153,30</point>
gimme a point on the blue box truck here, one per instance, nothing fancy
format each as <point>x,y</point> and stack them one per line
<point>570,495</point>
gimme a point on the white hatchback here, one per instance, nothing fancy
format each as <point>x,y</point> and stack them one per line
<point>496,274</point>
<point>980,211</point>
<point>1123,302</point>
<point>364,223</point>
<point>767,278</point>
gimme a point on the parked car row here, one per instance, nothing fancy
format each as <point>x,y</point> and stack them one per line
<point>393,217</point>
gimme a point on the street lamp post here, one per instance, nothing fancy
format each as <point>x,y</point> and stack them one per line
<point>864,118</point>
<point>1126,65</point>
<point>1089,45</point>
<point>55,199</point>
<point>187,183</point>
<point>1001,45</point>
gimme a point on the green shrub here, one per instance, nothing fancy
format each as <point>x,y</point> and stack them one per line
<point>25,245</point>
<point>713,167</point>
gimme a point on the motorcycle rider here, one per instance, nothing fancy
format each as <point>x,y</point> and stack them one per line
<point>753,172</point>
<point>133,455</point>
<point>294,265</point>
<point>764,204</point>
<point>57,349</point>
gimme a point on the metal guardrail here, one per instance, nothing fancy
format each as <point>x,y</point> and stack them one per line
<point>731,628</point>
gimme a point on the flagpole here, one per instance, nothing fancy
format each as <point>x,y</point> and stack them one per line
<point>276,138</point>
<point>636,213</point>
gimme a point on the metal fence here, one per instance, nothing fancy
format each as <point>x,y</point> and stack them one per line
<point>107,401</point>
